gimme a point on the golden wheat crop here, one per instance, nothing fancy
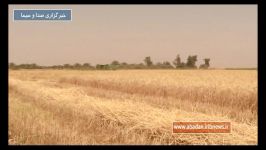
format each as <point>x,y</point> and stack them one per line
<point>130,106</point>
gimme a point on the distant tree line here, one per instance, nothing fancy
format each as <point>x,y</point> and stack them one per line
<point>148,64</point>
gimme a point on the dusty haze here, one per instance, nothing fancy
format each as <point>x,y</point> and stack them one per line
<point>101,33</point>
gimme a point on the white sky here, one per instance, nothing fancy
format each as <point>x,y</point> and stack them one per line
<point>101,33</point>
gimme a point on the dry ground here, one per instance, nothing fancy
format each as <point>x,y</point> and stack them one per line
<point>130,106</point>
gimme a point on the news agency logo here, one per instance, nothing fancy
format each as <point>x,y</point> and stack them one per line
<point>201,127</point>
<point>42,14</point>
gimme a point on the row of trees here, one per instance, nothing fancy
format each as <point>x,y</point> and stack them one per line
<point>148,64</point>
<point>190,64</point>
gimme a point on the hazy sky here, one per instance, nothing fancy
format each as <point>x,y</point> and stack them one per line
<point>227,34</point>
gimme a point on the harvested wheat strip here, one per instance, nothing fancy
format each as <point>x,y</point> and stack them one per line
<point>144,118</point>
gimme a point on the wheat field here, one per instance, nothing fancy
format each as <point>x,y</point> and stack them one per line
<point>130,106</point>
